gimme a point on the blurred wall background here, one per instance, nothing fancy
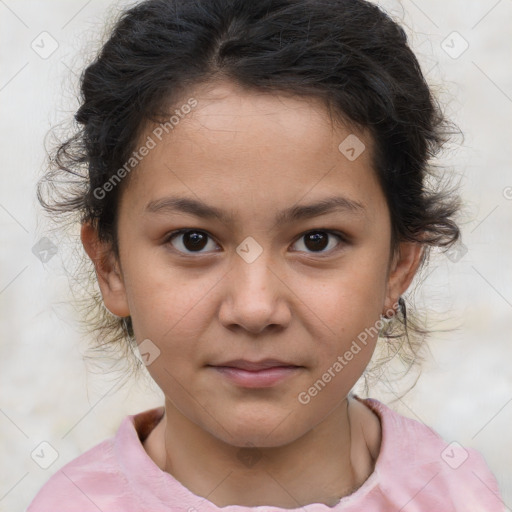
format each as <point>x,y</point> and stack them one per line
<point>46,393</point>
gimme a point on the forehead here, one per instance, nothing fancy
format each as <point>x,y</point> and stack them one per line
<point>267,148</point>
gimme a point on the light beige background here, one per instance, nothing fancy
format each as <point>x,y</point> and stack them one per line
<point>46,394</point>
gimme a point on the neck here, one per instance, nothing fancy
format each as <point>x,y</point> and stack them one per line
<point>325,464</point>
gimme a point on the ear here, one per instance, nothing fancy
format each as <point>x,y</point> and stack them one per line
<point>405,263</point>
<point>108,271</point>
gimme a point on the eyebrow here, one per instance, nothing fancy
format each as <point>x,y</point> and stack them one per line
<point>298,212</point>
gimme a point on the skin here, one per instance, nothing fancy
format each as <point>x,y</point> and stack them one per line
<point>253,155</point>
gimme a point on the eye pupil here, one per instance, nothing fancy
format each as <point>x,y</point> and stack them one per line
<point>194,240</point>
<point>314,241</point>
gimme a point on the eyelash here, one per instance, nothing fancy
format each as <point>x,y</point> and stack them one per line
<point>342,238</point>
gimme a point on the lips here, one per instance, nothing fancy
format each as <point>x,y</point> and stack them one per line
<point>255,366</point>
<point>261,374</point>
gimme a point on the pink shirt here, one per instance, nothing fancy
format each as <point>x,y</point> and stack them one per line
<point>415,471</point>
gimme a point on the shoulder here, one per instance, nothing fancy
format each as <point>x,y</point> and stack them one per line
<point>84,483</point>
<point>110,476</point>
<point>74,486</point>
<point>416,462</point>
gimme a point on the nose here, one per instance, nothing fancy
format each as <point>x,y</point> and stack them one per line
<point>256,297</point>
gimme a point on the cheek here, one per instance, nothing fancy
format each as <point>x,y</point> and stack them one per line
<point>167,304</point>
<point>348,308</point>
<point>171,312</point>
<point>350,300</point>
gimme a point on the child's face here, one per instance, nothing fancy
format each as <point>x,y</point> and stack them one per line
<point>253,156</point>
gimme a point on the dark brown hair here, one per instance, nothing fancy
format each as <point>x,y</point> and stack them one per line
<point>348,53</point>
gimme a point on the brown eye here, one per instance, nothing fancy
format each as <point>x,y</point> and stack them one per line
<point>190,240</point>
<point>318,241</point>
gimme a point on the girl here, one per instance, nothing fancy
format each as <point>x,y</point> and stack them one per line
<point>254,200</point>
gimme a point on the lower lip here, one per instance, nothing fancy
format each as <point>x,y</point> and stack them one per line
<point>257,379</point>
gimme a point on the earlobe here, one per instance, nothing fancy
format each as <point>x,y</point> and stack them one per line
<point>108,272</point>
<point>403,269</point>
